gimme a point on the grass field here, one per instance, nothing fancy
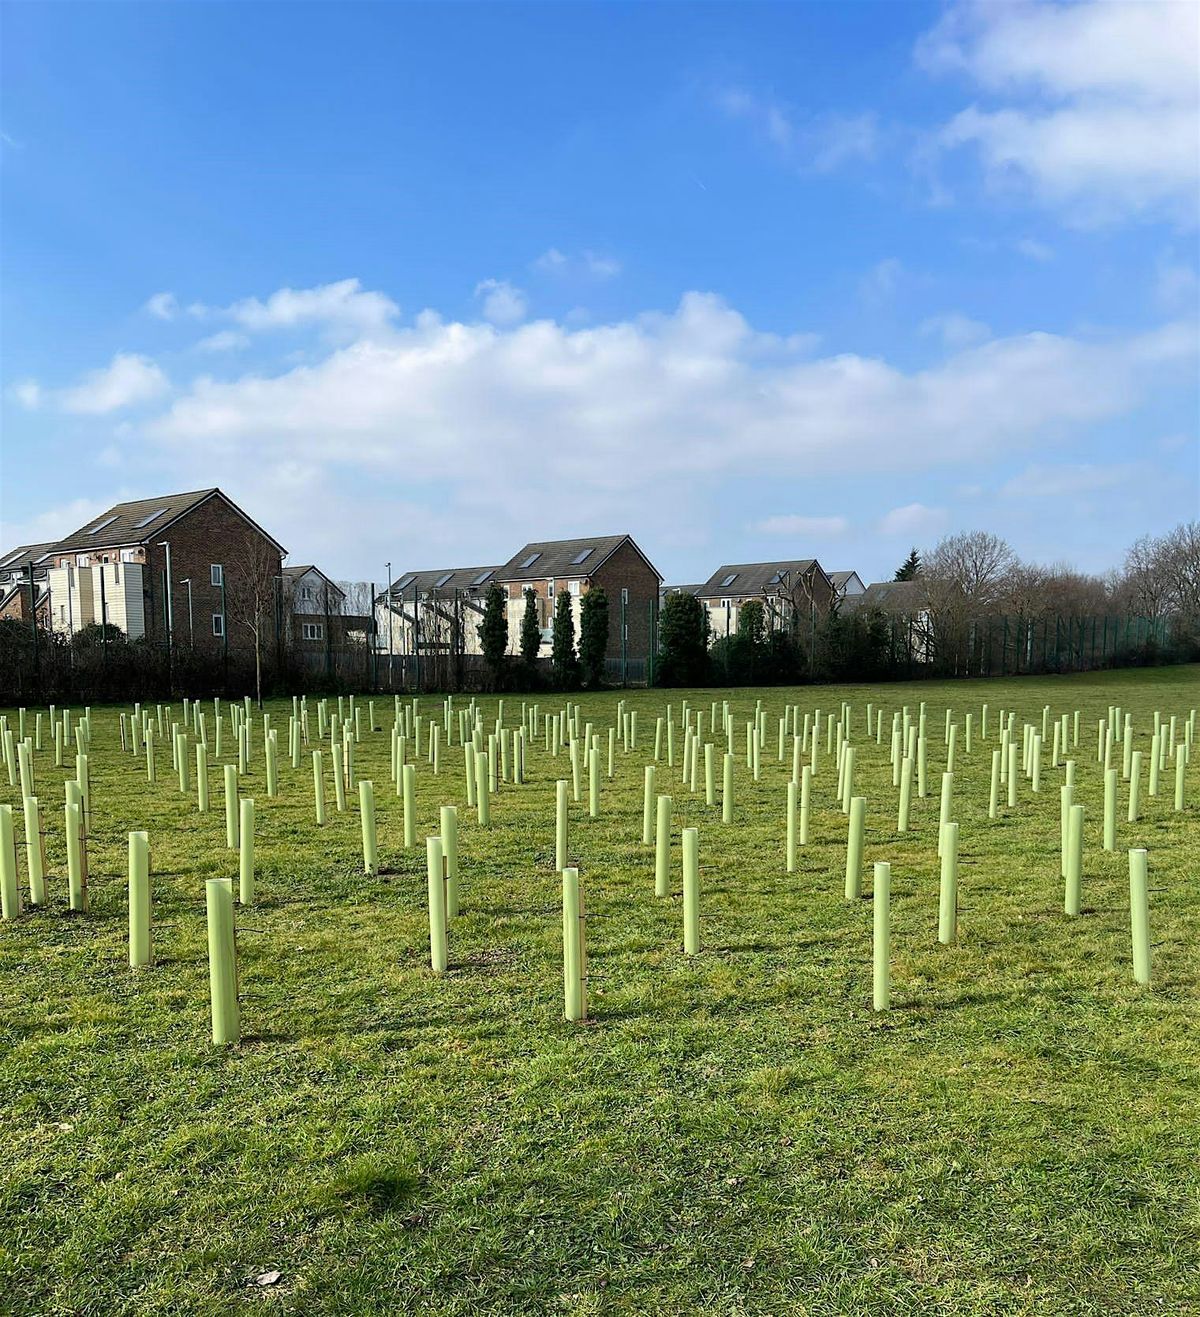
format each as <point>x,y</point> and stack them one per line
<point>735,1132</point>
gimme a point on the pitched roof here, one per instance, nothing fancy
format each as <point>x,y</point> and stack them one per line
<point>18,559</point>
<point>303,569</point>
<point>887,597</point>
<point>752,577</point>
<point>142,520</point>
<point>681,589</point>
<point>578,557</point>
<point>841,578</point>
<point>444,578</point>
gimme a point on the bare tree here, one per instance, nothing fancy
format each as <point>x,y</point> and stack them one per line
<point>253,581</point>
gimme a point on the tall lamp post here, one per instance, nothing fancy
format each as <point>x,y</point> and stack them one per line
<point>388,598</point>
<point>165,544</point>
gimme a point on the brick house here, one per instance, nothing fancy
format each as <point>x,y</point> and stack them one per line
<point>14,583</point>
<point>317,611</point>
<point>795,592</point>
<point>192,569</point>
<point>614,562</point>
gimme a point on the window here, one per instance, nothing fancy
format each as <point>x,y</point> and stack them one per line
<point>218,624</point>
<point>313,631</point>
<point>408,580</point>
<point>533,557</point>
<point>100,525</point>
<point>573,586</point>
<point>129,555</point>
<point>81,560</point>
<point>726,603</point>
<point>550,588</point>
<point>216,573</point>
<point>148,518</point>
<point>729,580</point>
<point>306,592</point>
<point>580,556</point>
<point>441,580</point>
<point>483,576</point>
<point>777,579</point>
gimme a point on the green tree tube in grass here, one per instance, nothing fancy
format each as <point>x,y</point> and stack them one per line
<point>1181,758</point>
<point>593,783</point>
<point>483,791</point>
<point>1139,915</point>
<point>231,807</point>
<point>573,953</point>
<point>1110,809</point>
<point>906,786</point>
<point>792,807</point>
<point>408,777</point>
<point>574,754</point>
<point>854,847</point>
<point>448,817</point>
<point>847,778</point>
<point>1066,796</point>
<point>806,781</point>
<point>140,946</point>
<point>438,948</point>
<point>994,793</point>
<point>1155,751</point>
<point>662,848</point>
<point>691,891</point>
<point>222,962</point>
<point>710,774</point>
<point>318,787</point>
<point>1135,785</point>
<point>366,809</point>
<point>1012,774</point>
<point>1036,762</point>
<point>881,901</point>
<point>948,888</point>
<point>1074,884</point>
<point>34,855</point>
<point>922,765</point>
<point>246,853</point>
<point>952,748</point>
<point>10,891</point>
<point>727,789</point>
<point>76,887</point>
<point>201,779</point>
<point>648,798</point>
<point>946,804</point>
<point>561,806</point>
<point>968,726</point>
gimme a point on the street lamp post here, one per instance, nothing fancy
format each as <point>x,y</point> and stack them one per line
<point>388,598</point>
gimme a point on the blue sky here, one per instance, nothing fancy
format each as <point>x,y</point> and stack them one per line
<point>418,283</point>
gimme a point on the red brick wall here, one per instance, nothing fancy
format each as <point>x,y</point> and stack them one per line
<point>626,568</point>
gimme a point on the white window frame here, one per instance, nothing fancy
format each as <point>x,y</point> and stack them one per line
<point>218,624</point>
<point>216,574</point>
<point>573,587</point>
<point>129,555</point>
<point>550,588</point>
<point>312,630</point>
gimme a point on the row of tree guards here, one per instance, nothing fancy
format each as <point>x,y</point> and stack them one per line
<point>686,744</point>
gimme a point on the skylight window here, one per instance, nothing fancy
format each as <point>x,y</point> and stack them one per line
<point>533,557</point>
<point>148,518</point>
<point>729,580</point>
<point>441,580</point>
<point>100,525</point>
<point>408,580</point>
<point>580,556</point>
<point>11,556</point>
<point>777,579</point>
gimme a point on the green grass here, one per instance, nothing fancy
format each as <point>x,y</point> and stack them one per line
<point>736,1132</point>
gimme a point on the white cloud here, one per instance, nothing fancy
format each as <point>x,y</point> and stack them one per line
<point>818,142</point>
<point>225,340</point>
<point>611,416</point>
<point>502,303</point>
<point>28,393</point>
<point>912,520</point>
<point>955,330</point>
<point>52,523</point>
<point>788,524</point>
<point>162,306</point>
<point>126,380</point>
<point>1053,480</point>
<point>1096,101</point>
<point>344,308</point>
